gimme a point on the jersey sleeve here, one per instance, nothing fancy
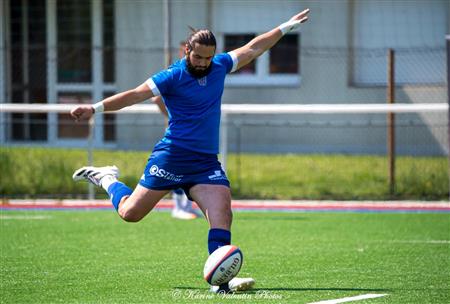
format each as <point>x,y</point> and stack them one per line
<point>160,83</point>
<point>229,60</point>
<point>234,60</point>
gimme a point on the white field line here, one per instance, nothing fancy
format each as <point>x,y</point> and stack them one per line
<point>420,241</point>
<point>350,299</point>
<point>24,217</point>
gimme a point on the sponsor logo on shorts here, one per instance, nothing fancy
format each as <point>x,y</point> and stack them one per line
<point>162,173</point>
<point>217,175</point>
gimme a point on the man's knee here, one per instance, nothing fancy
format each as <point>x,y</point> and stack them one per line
<point>130,215</point>
<point>221,216</point>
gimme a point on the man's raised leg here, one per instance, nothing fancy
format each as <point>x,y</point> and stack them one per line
<point>134,207</point>
<point>131,205</point>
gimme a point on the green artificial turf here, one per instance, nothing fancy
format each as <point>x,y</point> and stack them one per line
<point>94,257</point>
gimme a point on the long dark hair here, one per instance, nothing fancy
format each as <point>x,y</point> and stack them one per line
<point>203,37</point>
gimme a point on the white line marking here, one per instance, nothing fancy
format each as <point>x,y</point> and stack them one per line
<point>349,299</point>
<point>421,241</point>
<point>24,217</point>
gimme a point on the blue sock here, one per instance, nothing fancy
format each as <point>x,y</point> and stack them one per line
<point>217,238</point>
<point>116,191</point>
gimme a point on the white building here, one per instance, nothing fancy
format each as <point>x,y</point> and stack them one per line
<point>70,51</point>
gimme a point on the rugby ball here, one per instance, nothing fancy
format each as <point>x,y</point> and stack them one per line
<point>223,265</point>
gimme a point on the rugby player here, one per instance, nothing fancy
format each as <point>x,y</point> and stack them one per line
<point>186,157</point>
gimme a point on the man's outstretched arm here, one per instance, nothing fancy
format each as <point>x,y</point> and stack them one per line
<point>264,42</point>
<point>113,103</point>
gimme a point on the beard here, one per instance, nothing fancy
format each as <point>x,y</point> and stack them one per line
<point>195,71</point>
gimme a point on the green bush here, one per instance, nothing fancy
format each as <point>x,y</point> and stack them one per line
<point>47,172</point>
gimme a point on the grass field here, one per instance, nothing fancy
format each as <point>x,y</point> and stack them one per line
<point>94,257</point>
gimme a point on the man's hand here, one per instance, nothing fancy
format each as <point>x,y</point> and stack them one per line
<point>294,22</point>
<point>82,112</point>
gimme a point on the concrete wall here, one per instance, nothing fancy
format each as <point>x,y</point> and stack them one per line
<point>327,76</point>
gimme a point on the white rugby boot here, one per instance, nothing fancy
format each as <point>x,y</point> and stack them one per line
<point>183,215</point>
<point>183,208</point>
<point>189,208</point>
<point>241,284</point>
<point>95,174</point>
<point>236,284</point>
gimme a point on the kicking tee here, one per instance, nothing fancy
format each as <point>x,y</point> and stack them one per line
<point>193,104</point>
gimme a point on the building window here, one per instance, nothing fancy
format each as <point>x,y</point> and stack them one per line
<point>284,56</point>
<point>280,66</point>
<point>67,128</point>
<point>38,72</point>
<point>234,41</point>
<point>74,41</point>
<point>27,73</point>
<point>108,42</point>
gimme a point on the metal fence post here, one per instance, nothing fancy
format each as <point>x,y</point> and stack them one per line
<point>91,190</point>
<point>167,33</point>
<point>391,120</point>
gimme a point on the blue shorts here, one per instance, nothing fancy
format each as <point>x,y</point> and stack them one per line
<point>170,167</point>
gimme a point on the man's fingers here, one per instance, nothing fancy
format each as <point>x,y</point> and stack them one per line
<point>302,15</point>
<point>76,114</point>
<point>294,22</point>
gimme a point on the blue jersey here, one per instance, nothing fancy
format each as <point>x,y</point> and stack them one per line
<point>193,104</point>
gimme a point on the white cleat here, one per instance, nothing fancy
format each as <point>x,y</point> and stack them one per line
<point>183,209</point>
<point>241,284</point>
<point>95,174</point>
<point>183,215</point>
<point>236,284</point>
<point>188,208</point>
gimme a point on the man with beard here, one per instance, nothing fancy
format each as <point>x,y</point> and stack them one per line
<point>186,157</point>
